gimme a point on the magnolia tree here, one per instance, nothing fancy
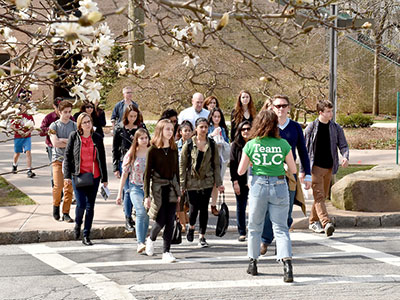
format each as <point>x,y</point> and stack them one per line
<point>39,35</point>
<point>39,38</point>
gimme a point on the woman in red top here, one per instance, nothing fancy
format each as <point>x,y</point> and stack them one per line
<point>85,154</point>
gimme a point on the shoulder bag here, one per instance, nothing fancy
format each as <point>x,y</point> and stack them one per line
<point>223,217</point>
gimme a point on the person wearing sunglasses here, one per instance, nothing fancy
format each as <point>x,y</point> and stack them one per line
<point>240,185</point>
<point>292,132</point>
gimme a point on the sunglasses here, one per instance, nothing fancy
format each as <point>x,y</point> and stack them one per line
<point>89,107</point>
<point>281,106</point>
<point>246,129</point>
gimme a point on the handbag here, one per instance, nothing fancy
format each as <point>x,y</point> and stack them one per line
<point>223,217</point>
<point>177,233</point>
<point>85,179</point>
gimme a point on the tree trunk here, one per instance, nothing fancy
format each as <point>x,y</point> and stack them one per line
<point>136,34</point>
<point>375,99</point>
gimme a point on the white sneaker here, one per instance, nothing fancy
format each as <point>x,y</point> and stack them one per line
<point>141,247</point>
<point>316,227</point>
<point>167,257</point>
<point>149,247</point>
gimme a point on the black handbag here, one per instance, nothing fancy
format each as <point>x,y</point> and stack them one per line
<point>177,233</point>
<point>84,180</point>
<point>223,217</point>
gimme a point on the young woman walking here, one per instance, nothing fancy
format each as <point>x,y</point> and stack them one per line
<point>132,120</point>
<point>218,131</point>
<point>199,171</point>
<point>185,131</point>
<point>244,110</point>
<point>240,186</point>
<point>133,165</point>
<point>85,153</point>
<point>268,191</point>
<point>162,171</point>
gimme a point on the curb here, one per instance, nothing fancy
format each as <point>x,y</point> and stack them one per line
<point>41,236</point>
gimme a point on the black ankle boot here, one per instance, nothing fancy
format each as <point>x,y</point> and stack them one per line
<point>287,271</point>
<point>56,213</point>
<point>129,224</point>
<point>86,241</point>
<point>77,231</point>
<point>252,268</point>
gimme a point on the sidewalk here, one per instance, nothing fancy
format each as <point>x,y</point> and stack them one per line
<point>34,223</point>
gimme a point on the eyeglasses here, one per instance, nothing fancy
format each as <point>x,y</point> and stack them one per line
<point>246,129</point>
<point>86,122</point>
<point>278,106</point>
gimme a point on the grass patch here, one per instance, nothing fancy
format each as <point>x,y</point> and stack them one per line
<point>351,169</point>
<point>10,195</point>
<point>371,138</point>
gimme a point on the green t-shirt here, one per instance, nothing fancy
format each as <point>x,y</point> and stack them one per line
<point>267,155</point>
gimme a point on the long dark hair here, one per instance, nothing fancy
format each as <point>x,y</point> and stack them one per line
<point>238,113</point>
<point>222,123</point>
<point>128,110</point>
<point>265,124</point>
<point>239,140</point>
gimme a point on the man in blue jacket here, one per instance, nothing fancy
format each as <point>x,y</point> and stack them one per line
<point>323,138</point>
<point>120,107</point>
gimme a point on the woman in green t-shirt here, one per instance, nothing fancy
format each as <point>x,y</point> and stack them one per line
<point>267,152</point>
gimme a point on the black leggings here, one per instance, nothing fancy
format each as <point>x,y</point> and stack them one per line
<point>198,201</point>
<point>165,217</point>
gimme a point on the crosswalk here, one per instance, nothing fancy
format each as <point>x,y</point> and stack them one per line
<point>93,273</point>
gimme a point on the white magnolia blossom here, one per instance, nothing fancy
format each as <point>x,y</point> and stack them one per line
<point>196,27</point>
<point>27,123</point>
<point>86,67</point>
<point>103,45</point>
<point>187,60</point>
<point>179,34</point>
<point>23,14</point>
<point>103,29</point>
<point>72,31</point>
<point>22,4</point>
<point>93,92</point>
<point>4,124</point>
<point>138,69</point>
<point>5,31</point>
<point>33,87</point>
<point>79,91</point>
<point>121,67</point>
<point>87,6</point>
<point>11,43</point>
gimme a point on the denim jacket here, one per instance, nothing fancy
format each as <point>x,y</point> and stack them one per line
<point>337,138</point>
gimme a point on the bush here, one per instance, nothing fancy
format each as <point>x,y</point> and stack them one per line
<point>355,121</point>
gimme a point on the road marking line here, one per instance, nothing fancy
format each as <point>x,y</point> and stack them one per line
<point>104,288</point>
<point>206,260</point>
<point>349,248</point>
<point>299,280</point>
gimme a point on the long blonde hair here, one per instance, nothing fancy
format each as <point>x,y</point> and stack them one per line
<point>157,139</point>
<point>135,144</point>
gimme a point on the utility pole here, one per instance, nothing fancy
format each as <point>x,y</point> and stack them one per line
<point>333,45</point>
<point>136,33</point>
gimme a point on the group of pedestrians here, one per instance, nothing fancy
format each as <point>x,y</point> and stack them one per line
<point>175,173</point>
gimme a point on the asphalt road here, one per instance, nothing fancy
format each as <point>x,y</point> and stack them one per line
<point>353,264</point>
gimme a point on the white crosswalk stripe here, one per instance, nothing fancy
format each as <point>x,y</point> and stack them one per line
<point>107,289</point>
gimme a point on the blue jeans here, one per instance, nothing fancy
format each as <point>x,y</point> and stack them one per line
<point>127,204</point>
<point>142,219</point>
<point>241,203</point>
<point>269,194</point>
<point>268,235</point>
<point>85,199</point>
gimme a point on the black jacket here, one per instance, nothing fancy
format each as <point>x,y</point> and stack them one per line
<point>72,161</point>
<point>122,141</point>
